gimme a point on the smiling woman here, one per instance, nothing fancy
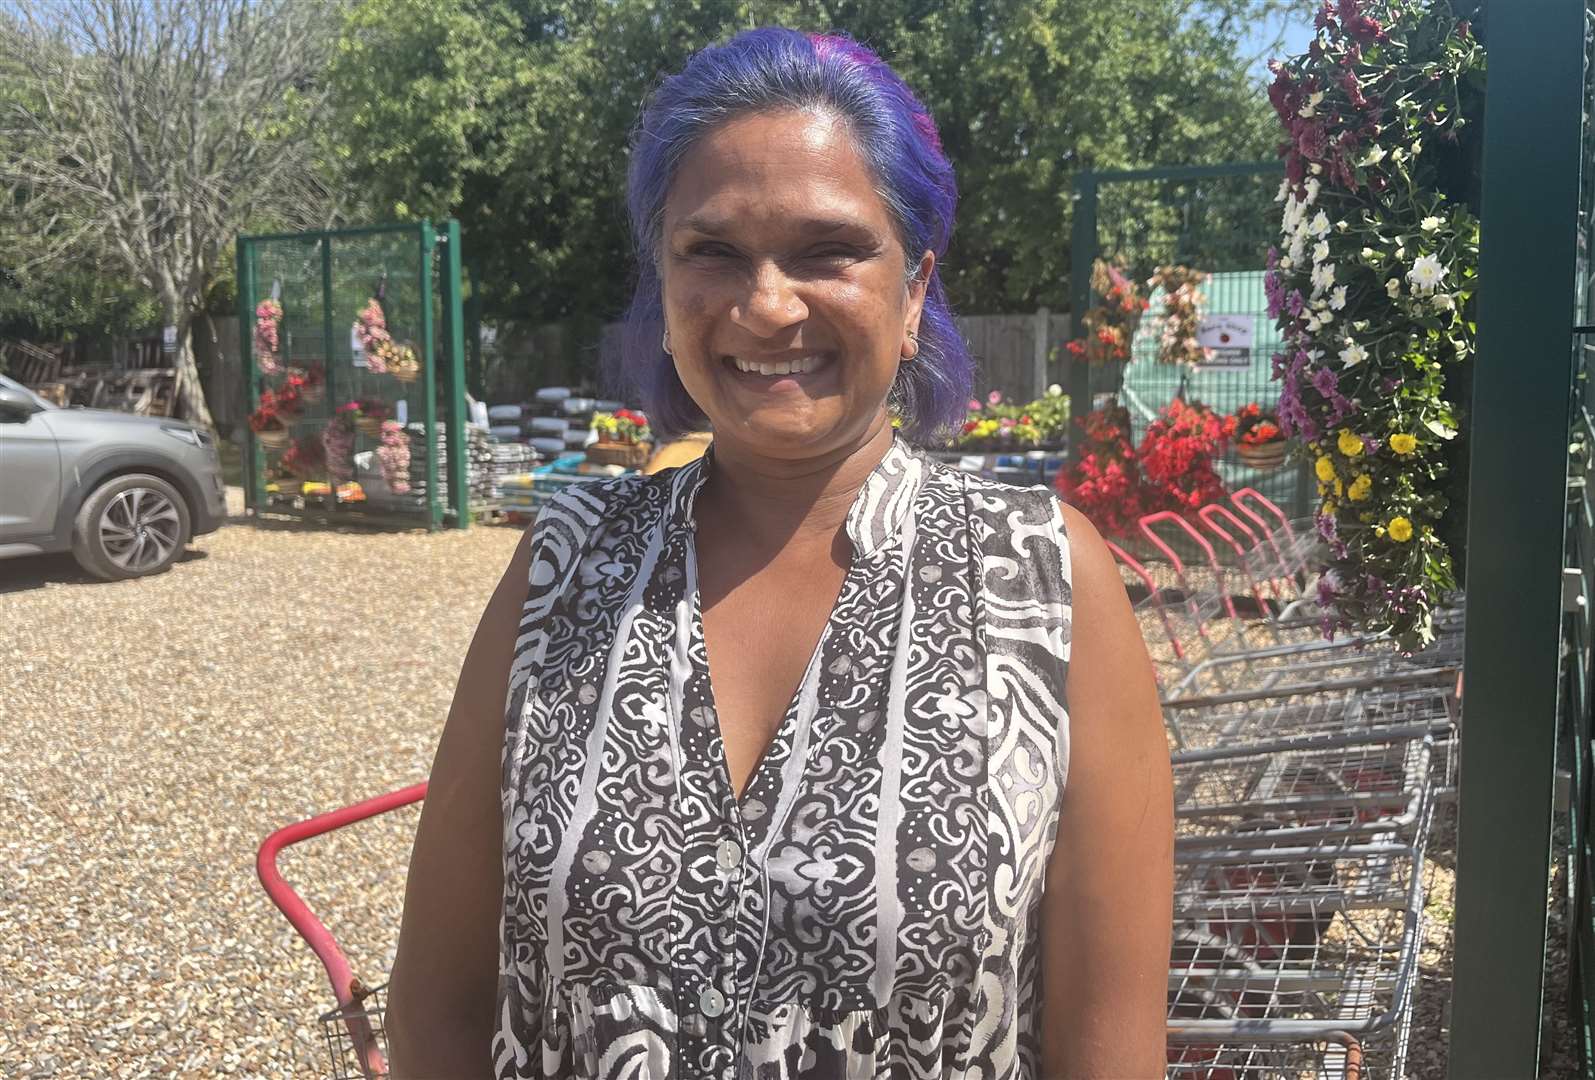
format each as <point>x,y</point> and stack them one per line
<point>819,759</point>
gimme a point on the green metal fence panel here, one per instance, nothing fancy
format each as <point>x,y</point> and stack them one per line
<point>1516,518</point>
<point>1217,219</point>
<point>323,283</point>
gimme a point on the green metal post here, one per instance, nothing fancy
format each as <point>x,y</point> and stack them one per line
<point>454,347</point>
<point>1515,534</point>
<point>326,339</point>
<point>434,509</point>
<point>1082,253</point>
<point>254,487</point>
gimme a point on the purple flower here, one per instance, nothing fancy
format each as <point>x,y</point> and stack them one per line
<point>1326,382</point>
<point>1295,303</point>
<point>1326,527</point>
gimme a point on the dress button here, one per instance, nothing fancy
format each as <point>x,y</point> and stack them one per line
<point>728,855</point>
<point>711,1002</point>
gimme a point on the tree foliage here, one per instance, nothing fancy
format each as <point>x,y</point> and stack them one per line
<point>513,115</point>
<point>139,137</point>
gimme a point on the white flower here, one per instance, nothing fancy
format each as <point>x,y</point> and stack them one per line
<point>1320,224</point>
<point>1286,262</point>
<point>1312,190</point>
<point>1353,354</point>
<point>1401,252</point>
<point>1374,156</point>
<point>1398,155</point>
<point>1284,189</point>
<point>1426,274</point>
<point>1054,390</point>
<point>1315,168</point>
<point>1313,323</point>
<point>1298,248</point>
<point>1323,278</point>
<point>1393,288</point>
<point>1430,224</point>
<point>1443,302</point>
<point>1337,299</point>
<point>1321,251</point>
<point>1309,110</point>
<point>1342,225</point>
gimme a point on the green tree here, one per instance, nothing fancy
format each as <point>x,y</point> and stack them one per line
<point>513,116</point>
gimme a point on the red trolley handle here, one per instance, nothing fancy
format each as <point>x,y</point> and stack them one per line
<point>345,987</point>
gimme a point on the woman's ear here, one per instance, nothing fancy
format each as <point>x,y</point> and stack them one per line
<point>918,282</point>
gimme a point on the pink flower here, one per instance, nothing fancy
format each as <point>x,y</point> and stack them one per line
<point>995,397</point>
<point>974,406</point>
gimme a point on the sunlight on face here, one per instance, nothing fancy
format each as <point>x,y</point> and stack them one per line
<point>784,285</point>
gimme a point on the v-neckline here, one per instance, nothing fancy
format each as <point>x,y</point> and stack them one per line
<point>786,729</point>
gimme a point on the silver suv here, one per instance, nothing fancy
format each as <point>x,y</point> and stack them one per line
<point>123,493</point>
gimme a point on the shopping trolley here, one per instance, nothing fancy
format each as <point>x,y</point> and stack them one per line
<point>354,1028</point>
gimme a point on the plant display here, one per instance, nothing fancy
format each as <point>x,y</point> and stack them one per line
<point>306,458</point>
<point>337,441</point>
<point>383,354</point>
<point>999,425</point>
<point>394,457</point>
<point>1373,288</point>
<point>1256,426</point>
<point>1182,315</point>
<point>1172,468</point>
<point>309,384</point>
<point>1111,323</point>
<point>268,336</point>
<point>622,426</point>
<point>276,409</point>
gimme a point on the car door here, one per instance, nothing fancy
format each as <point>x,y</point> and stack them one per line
<point>30,478</point>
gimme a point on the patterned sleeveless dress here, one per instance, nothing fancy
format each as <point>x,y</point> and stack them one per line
<point>869,906</point>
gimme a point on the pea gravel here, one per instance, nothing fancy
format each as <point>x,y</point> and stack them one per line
<point>153,732</point>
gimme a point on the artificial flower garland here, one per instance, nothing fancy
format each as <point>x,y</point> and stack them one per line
<point>268,336</point>
<point>1182,315</point>
<point>1372,288</point>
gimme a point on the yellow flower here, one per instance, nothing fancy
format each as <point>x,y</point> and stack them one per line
<point>1325,469</point>
<point>1360,488</point>
<point>1349,444</point>
<point>1400,530</point>
<point>1329,507</point>
<point>1340,489</point>
<point>1403,443</point>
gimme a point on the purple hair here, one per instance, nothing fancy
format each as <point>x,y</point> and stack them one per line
<point>774,68</point>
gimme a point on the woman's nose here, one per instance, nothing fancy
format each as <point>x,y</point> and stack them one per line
<point>771,304</point>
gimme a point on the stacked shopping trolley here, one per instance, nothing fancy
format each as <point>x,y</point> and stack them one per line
<point>1306,775</point>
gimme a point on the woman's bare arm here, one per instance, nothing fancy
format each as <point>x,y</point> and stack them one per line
<point>445,976</point>
<point>1107,914</point>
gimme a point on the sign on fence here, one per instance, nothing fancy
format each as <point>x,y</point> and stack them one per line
<point>1229,337</point>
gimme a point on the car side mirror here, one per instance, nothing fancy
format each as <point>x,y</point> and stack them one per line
<point>15,408</point>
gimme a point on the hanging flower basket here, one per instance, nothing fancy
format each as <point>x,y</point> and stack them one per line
<point>402,363</point>
<point>274,438</point>
<point>1270,455</point>
<point>369,426</point>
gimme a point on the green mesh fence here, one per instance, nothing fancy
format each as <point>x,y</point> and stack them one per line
<point>1221,221</point>
<point>355,373</point>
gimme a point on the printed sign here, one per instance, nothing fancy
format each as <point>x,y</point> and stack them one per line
<point>168,339</point>
<point>356,351</point>
<point>1230,339</point>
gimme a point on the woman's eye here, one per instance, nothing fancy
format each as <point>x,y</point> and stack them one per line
<point>712,251</point>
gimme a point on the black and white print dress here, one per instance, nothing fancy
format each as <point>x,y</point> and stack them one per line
<point>869,906</point>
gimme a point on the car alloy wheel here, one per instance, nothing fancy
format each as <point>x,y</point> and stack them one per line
<point>139,529</point>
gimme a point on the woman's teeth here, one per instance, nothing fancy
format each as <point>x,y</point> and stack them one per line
<point>800,366</point>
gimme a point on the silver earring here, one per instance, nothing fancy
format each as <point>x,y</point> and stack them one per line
<point>914,337</point>
<point>665,344</point>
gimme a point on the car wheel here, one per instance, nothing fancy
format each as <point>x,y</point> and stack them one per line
<point>132,526</point>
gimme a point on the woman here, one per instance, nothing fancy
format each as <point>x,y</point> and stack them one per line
<point>790,784</point>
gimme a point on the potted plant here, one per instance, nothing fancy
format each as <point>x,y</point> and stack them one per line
<point>367,415</point>
<point>1259,442</point>
<point>623,438</point>
<point>270,419</point>
<point>309,383</point>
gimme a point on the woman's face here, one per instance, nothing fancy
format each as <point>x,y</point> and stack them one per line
<point>785,293</point>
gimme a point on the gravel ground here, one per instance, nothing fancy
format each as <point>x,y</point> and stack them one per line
<point>155,731</point>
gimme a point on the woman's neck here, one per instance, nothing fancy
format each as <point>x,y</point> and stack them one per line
<point>772,502</point>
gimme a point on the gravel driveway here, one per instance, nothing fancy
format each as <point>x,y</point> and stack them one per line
<point>155,731</point>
